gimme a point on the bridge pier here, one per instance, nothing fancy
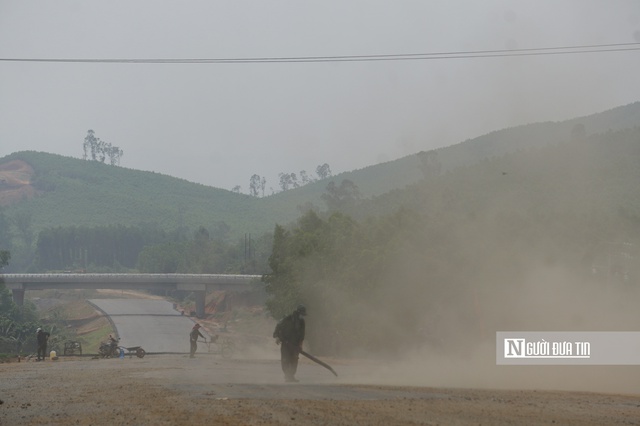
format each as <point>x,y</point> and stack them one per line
<point>199,293</point>
<point>18,296</point>
<point>200,302</point>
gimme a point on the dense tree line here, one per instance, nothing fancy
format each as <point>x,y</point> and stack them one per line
<point>199,255</point>
<point>203,254</point>
<point>82,247</point>
<point>147,249</point>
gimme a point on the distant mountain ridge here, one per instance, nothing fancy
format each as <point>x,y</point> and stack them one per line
<point>70,191</point>
<point>381,178</point>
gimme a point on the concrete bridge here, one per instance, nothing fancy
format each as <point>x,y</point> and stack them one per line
<point>199,284</point>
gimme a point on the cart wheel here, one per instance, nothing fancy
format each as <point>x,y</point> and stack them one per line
<point>140,353</point>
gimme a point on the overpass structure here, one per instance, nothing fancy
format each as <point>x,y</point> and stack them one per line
<point>199,284</point>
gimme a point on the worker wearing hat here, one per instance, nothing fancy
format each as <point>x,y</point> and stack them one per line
<point>42,337</point>
<point>193,339</point>
<point>289,334</point>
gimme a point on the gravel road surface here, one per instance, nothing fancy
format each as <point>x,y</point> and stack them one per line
<point>152,324</point>
<point>176,390</point>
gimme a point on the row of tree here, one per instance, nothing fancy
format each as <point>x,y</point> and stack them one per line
<point>147,249</point>
<point>257,183</point>
<point>99,150</point>
<point>74,247</point>
<point>203,254</point>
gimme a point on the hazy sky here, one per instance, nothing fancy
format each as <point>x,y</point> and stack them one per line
<point>218,124</point>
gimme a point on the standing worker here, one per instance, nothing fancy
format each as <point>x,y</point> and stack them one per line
<point>289,334</point>
<point>193,339</point>
<point>42,337</point>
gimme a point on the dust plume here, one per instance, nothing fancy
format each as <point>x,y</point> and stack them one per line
<point>448,350</point>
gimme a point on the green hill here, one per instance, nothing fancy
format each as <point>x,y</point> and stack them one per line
<point>595,175</point>
<point>71,191</point>
<point>77,192</point>
<point>381,178</point>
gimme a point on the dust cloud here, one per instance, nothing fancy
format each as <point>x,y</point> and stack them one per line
<point>458,353</point>
<point>528,250</point>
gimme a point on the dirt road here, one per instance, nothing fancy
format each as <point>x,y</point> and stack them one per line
<point>176,390</point>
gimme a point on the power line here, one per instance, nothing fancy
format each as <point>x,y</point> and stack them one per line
<point>564,50</point>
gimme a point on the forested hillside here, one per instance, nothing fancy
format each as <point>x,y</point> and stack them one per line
<point>73,191</point>
<point>70,202</point>
<point>78,192</point>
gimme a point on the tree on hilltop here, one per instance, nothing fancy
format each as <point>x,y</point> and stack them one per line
<point>323,171</point>
<point>288,180</point>
<point>100,150</point>
<point>257,185</point>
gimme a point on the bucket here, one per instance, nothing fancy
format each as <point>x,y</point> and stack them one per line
<point>53,355</point>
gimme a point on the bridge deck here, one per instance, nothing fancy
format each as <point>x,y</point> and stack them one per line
<point>198,283</point>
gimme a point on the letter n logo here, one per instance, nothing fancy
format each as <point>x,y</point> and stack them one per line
<point>514,348</point>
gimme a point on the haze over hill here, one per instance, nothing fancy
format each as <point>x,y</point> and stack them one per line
<point>77,192</point>
<point>218,122</point>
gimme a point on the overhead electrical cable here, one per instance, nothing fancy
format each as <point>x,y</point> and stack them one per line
<point>565,50</point>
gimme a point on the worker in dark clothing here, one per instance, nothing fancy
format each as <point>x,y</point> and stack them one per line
<point>113,346</point>
<point>42,337</point>
<point>289,334</point>
<point>193,339</point>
